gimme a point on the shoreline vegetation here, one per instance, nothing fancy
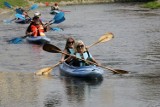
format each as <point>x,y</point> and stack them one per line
<point>27,3</point>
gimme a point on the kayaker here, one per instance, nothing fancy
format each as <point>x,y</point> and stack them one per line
<point>36,28</point>
<point>24,13</point>
<point>69,49</point>
<point>82,53</point>
<point>55,7</point>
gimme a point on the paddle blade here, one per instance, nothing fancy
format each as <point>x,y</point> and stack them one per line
<point>59,16</point>
<point>47,70</point>
<point>59,21</point>
<point>16,40</point>
<point>51,48</point>
<point>57,29</point>
<point>106,37</point>
<point>19,16</point>
<point>33,7</point>
<point>7,5</point>
<point>44,71</point>
<point>119,71</point>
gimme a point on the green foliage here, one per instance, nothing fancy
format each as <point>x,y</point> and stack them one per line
<point>14,3</point>
<point>43,1</point>
<point>24,3</point>
<point>152,5</point>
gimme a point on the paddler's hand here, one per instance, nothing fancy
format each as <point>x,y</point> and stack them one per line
<point>29,34</point>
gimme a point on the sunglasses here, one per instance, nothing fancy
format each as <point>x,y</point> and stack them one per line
<point>69,42</point>
<point>80,46</point>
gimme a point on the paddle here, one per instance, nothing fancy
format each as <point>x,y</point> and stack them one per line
<point>56,29</point>
<point>9,6</point>
<point>53,49</point>
<point>17,16</point>
<point>33,7</point>
<point>47,70</point>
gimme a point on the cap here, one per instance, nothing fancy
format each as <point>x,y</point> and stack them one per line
<point>37,14</point>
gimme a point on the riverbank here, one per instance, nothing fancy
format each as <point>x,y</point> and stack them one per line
<point>152,5</point>
<point>42,3</point>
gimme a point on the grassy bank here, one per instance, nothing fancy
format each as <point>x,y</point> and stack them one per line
<point>27,3</point>
<point>43,1</point>
<point>14,3</point>
<point>152,5</point>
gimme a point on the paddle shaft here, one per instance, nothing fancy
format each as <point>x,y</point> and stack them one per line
<point>94,44</point>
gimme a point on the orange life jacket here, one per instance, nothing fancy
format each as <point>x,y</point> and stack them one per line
<point>37,30</point>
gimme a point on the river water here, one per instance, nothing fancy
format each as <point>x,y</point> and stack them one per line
<point>134,48</point>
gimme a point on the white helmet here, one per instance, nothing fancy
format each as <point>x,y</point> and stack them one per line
<point>37,14</point>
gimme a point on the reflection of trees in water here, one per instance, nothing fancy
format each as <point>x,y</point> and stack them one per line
<point>54,99</point>
<point>76,88</point>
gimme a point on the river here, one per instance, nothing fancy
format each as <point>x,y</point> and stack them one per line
<point>134,48</point>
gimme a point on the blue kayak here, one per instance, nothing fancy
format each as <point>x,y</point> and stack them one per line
<point>53,12</point>
<point>38,39</point>
<point>85,72</point>
<point>21,21</point>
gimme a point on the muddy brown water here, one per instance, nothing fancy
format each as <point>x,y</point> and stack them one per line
<point>135,48</point>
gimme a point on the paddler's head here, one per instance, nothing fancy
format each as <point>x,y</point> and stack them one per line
<point>36,20</point>
<point>79,46</point>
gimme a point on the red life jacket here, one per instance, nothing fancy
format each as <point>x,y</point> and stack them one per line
<point>37,30</point>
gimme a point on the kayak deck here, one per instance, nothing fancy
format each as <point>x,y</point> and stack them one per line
<point>20,21</point>
<point>38,39</point>
<point>85,72</point>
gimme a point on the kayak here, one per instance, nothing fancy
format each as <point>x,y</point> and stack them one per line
<point>21,21</point>
<point>85,72</point>
<point>53,12</point>
<point>38,39</point>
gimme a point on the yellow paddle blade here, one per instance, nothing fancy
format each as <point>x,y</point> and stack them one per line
<point>106,37</point>
<point>44,71</point>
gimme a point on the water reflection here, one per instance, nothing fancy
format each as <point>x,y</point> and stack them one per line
<point>54,99</point>
<point>76,89</point>
<point>75,92</point>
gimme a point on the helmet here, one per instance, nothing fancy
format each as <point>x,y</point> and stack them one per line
<point>37,14</point>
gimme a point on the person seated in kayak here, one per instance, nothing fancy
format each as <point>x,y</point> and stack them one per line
<point>36,28</point>
<point>81,52</point>
<point>24,13</point>
<point>55,8</point>
<point>69,49</point>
